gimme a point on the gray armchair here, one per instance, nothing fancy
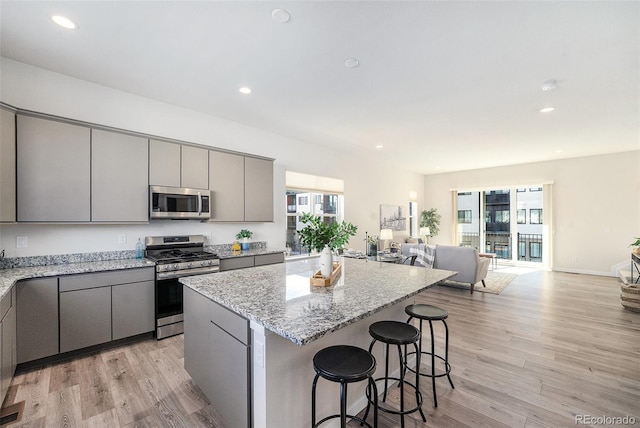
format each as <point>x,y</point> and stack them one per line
<point>471,268</point>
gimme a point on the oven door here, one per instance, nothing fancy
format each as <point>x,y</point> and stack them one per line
<point>178,203</point>
<point>169,317</point>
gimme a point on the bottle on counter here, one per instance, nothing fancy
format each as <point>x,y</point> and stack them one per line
<point>139,249</point>
<point>236,246</point>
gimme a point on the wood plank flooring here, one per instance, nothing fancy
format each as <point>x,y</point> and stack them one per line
<point>551,347</point>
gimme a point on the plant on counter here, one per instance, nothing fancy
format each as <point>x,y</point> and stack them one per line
<point>244,233</point>
<point>317,234</point>
<point>372,240</point>
<point>636,246</point>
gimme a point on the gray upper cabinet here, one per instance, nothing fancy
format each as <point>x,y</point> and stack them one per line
<point>258,189</point>
<point>164,164</point>
<point>176,165</point>
<point>241,187</point>
<point>119,171</point>
<point>195,167</point>
<point>226,181</point>
<point>54,171</point>
<point>7,166</point>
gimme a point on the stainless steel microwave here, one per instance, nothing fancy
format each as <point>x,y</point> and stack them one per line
<point>179,203</point>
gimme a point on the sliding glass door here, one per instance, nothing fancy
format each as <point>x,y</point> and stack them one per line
<point>507,222</point>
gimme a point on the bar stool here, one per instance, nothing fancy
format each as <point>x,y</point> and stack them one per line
<point>431,313</point>
<point>399,334</point>
<point>344,364</point>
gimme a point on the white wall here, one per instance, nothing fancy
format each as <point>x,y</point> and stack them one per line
<point>596,205</point>
<point>36,89</point>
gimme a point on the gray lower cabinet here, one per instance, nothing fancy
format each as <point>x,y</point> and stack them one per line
<point>217,355</point>
<point>100,307</point>
<point>85,318</point>
<point>37,318</point>
<point>250,261</point>
<point>132,309</point>
<point>8,357</point>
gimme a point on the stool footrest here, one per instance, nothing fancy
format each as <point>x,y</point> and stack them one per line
<point>350,417</point>
<point>447,366</point>
<point>393,411</point>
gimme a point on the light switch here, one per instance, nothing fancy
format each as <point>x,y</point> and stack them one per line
<point>21,242</point>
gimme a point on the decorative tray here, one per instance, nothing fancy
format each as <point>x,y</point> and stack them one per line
<point>319,281</point>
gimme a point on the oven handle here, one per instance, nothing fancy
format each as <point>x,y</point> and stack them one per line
<point>190,272</point>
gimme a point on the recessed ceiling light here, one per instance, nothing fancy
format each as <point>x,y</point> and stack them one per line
<point>379,146</point>
<point>64,22</point>
<point>547,109</point>
<point>351,62</point>
<point>549,85</point>
<point>244,90</point>
<point>280,15</point>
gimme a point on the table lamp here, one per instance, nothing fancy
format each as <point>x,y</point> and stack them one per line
<point>424,231</point>
<point>385,234</point>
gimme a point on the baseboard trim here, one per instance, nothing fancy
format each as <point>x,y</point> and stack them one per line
<point>584,272</point>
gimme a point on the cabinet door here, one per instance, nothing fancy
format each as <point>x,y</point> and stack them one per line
<point>37,318</point>
<point>85,318</point>
<point>132,309</point>
<point>258,189</point>
<point>119,177</point>
<point>164,164</point>
<point>226,181</point>
<point>54,170</point>
<point>237,263</point>
<point>197,331</point>
<point>7,166</point>
<point>7,349</point>
<point>195,167</point>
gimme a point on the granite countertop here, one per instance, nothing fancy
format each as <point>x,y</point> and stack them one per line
<point>280,298</point>
<point>8,277</point>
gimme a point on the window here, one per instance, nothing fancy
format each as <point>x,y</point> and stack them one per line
<point>502,216</point>
<point>522,216</point>
<point>464,216</point>
<point>522,250</point>
<point>535,216</point>
<point>413,218</point>
<point>327,205</point>
<point>521,189</point>
<point>535,250</point>
<point>535,189</point>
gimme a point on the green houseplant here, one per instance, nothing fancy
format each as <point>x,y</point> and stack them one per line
<point>636,246</point>
<point>244,236</point>
<point>431,219</point>
<point>325,238</point>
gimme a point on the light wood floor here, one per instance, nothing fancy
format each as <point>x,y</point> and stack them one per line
<point>550,347</point>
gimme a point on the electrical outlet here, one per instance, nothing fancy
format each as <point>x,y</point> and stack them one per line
<point>122,238</point>
<point>207,237</point>
<point>21,242</point>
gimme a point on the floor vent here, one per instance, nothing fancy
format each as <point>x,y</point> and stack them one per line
<point>11,414</point>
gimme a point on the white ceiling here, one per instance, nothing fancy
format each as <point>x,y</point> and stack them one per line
<point>442,85</point>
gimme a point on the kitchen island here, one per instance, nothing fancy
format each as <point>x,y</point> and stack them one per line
<point>253,332</point>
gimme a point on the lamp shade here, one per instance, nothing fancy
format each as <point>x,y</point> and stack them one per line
<point>424,231</point>
<point>386,234</point>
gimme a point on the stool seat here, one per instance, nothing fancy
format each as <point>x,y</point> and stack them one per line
<point>426,312</point>
<point>394,332</point>
<point>344,363</point>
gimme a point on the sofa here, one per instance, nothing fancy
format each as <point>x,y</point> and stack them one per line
<point>471,268</point>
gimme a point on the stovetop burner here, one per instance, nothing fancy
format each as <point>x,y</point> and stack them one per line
<point>180,255</point>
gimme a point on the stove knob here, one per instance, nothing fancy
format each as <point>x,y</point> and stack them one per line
<point>189,265</point>
<point>175,267</point>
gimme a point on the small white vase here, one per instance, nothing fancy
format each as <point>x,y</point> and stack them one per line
<point>326,262</point>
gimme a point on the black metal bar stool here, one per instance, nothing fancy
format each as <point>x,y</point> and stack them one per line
<point>431,313</point>
<point>399,334</point>
<point>344,364</point>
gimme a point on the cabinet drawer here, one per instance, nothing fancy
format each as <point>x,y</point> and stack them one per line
<point>269,259</point>
<point>236,263</point>
<point>103,279</point>
<point>234,324</point>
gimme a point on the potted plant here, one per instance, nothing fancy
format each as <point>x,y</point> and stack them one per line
<point>325,238</point>
<point>636,246</point>
<point>431,219</point>
<point>244,236</point>
<point>372,245</point>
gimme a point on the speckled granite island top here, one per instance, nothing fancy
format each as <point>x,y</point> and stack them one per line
<point>280,298</point>
<point>8,277</point>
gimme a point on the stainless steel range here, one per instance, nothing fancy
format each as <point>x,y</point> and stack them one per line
<point>176,257</point>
